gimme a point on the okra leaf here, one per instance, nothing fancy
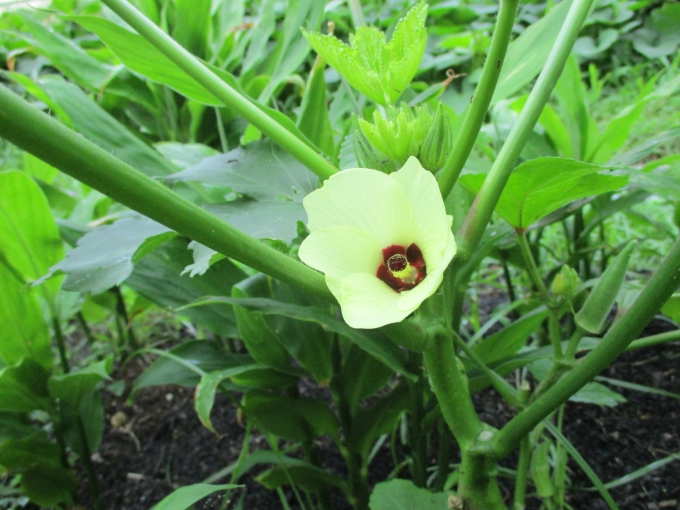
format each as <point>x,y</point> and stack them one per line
<point>540,186</point>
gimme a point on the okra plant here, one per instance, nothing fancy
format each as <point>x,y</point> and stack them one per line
<point>339,246</point>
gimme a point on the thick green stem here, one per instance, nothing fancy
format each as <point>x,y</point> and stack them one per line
<point>47,139</point>
<point>213,84</point>
<point>481,99</point>
<point>522,473</point>
<point>657,291</point>
<point>480,213</point>
<point>450,385</point>
<point>477,485</point>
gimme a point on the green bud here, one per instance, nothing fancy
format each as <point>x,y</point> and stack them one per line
<point>438,143</point>
<point>367,155</point>
<point>399,133</point>
<point>566,283</point>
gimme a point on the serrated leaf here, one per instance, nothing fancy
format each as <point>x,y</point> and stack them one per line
<point>540,186</point>
<point>378,69</point>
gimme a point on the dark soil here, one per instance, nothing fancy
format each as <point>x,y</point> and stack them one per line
<point>163,445</point>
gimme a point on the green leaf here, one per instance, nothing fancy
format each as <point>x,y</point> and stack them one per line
<point>260,170</point>
<point>361,376</point>
<point>29,237</point>
<point>528,53</point>
<point>511,339</point>
<point>23,387</point>
<point>378,69</point>
<point>260,341</point>
<point>24,332</point>
<point>104,256</point>
<point>295,419</point>
<point>34,89</point>
<point>378,419</point>
<point>304,475</point>
<point>641,151</point>
<point>48,485</point>
<point>192,25</point>
<point>71,60</point>
<point>72,387</point>
<point>404,495</point>
<point>95,124</point>
<point>263,219</point>
<point>540,186</point>
<point>314,120</point>
<point>206,389</point>
<point>184,497</point>
<point>187,363</point>
<point>372,342</point>
<point>598,394</point>
<point>157,277</point>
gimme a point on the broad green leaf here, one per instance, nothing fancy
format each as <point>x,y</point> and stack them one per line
<point>187,363</point>
<point>527,54</point>
<point>404,495</point>
<point>292,418</point>
<point>260,170</point>
<point>104,256</point>
<point>184,497</point>
<point>376,68</point>
<point>72,387</point>
<point>313,120</point>
<point>304,475</point>
<point>192,25</point>
<point>14,425</point>
<point>378,419</point>
<point>184,155</point>
<point>95,124</point>
<point>510,339</point>
<point>23,387</point>
<point>206,389</point>
<point>29,238</point>
<point>157,277</point>
<point>263,219</point>
<point>540,186</point>
<point>259,339</point>
<point>375,344</point>
<point>71,60</point>
<point>204,257</point>
<point>588,47</point>
<point>90,413</point>
<point>24,332</point>
<point>361,376</point>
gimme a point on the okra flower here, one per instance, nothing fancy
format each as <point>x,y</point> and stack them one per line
<point>382,241</point>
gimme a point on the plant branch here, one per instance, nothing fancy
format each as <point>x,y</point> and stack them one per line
<point>472,229</point>
<point>657,291</point>
<point>481,99</point>
<point>213,84</point>
<point>47,139</point>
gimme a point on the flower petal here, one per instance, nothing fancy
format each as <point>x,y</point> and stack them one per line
<point>411,299</point>
<point>366,200</point>
<point>432,222</point>
<point>340,251</point>
<point>368,303</point>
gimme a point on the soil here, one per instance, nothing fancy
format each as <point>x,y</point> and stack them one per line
<point>163,446</point>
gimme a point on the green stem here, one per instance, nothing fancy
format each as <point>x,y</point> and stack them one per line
<point>480,213</point>
<point>522,473</point>
<point>61,345</point>
<point>86,328</point>
<point>481,99</point>
<point>217,87</point>
<point>502,386</point>
<point>649,341</point>
<point>450,385</point>
<point>477,484</point>
<point>443,454</point>
<point>657,291</point>
<point>127,325</point>
<point>531,267</point>
<point>47,139</point>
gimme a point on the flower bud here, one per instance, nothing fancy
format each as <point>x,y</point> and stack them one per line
<point>566,283</point>
<point>367,155</point>
<point>437,145</point>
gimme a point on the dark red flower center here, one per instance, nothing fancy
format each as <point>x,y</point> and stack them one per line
<point>402,268</point>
